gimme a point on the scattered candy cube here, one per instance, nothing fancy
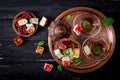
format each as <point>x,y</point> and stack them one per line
<point>48,67</point>
<point>58,53</point>
<point>34,20</point>
<point>22,22</point>
<point>40,50</point>
<point>18,41</point>
<point>66,61</point>
<point>43,21</point>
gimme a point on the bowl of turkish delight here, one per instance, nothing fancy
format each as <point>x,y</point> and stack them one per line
<point>68,52</point>
<point>25,24</point>
<point>96,48</point>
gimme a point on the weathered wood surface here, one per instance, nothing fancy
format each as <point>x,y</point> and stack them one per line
<point>22,63</point>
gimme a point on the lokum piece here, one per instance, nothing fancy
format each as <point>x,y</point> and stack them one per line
<point>58,53</point>
<point>43,21</point>
<point>18,41</point>
<point>66,61</point>
<point>76,52</point>
<point>22,22</point>
<point>68,52</point>
<point>34,20</point>
<point>87,50</point>
<point>48,67</point>
<point>29,25</point>
<point>77,29</point>
<point>30,30</point>
<point>40,50</point>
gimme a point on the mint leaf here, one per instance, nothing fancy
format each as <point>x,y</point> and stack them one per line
<point>97,50</point>
<point>41,43</point>
<point>108,21</point>
<point>59,68</point>
<point>78,60</point>
<point>66,52</point>
<point>68,17</point>
<point>86,23</point>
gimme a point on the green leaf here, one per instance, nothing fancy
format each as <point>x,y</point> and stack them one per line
<point>78,60</point>
<point>66,52</point>
<point>86,23</point>
<point>41,43</point>
<point>97,50</point>
<point>108,21</point>
<point>59,68</point>
<point>68,17</point>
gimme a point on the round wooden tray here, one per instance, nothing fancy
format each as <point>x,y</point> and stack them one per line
<point>14,26</point>
<point>106,33</point>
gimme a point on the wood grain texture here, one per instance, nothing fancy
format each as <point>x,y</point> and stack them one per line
<point>22,63</point>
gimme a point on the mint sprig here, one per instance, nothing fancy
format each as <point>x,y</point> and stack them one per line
<point>86,23</point>
<point>68,17</point>
<point>78,60</point>
<point>41,43</point>
<point>59,68</point>
<point>107,21</point>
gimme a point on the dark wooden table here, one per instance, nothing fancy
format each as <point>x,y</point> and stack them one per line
<point>22,63</point>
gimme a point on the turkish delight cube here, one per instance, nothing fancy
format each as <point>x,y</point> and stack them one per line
<point>76,52</point>
<point>40,50</point>
<point>43,21</point>
<point>66,61</point>
<point>58,53</point>
<point>48,67</point>
<point>22,22</point>
<point>34,20</point>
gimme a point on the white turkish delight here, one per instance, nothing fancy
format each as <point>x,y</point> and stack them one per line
<point>87,50</point>
<point>22,22</point>
<point>43,21</point>
<point>58,53</point>
<point>34,20</point>
<point>29,25</point>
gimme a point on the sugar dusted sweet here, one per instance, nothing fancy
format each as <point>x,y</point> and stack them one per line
<point>76,52</point>
<point>58,53</point>
<point>43,21</point>
<point>40,50</point>
<point>66,61</point>
<point>34,20</point>
<point>22,22</point>
<point>48,67</point>
<point>18,41</point>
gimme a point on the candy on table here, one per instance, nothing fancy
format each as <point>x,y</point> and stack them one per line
<point>30,30</point>
<point>58,53</point>
<point>76,52</point>
<point>87,50</point>
<point>48,67</point>
<point>18,41</point>
<point>34,20</point>
<point>66,61</point>
<point>77,29</point>
<point>43,21</point>
<point>22,22</point>
<point>40,50</point>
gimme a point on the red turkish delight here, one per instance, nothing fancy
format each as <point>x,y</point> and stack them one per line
<point>48,67</point>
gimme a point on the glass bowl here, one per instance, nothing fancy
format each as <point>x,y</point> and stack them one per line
<point>95,48</point>
<point>92,19</point>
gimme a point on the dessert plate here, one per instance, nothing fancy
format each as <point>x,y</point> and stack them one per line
<point>87,41</point>
<point>21,18</point>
